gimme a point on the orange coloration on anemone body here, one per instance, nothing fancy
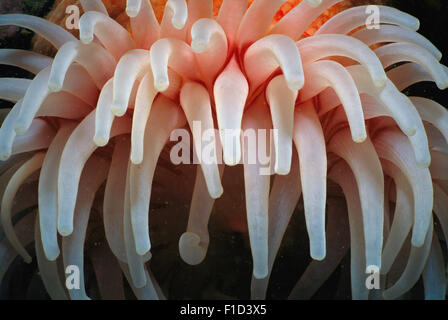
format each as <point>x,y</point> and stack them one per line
<point>159,6</point>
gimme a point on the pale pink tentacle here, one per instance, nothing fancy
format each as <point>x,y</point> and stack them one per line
<point>353,18</point>
<point>393,146</point>
<point>310,143</point>
<point>230,92</point>
<point>193,243</point>
<point>144,24</point>
<point>48,192</point>
<point>164,118</point>
<point>176,55</point>
<point>257,181</point>
<point>270,53</point>
<point>195,102</point>
<point>97,61</point>
<point>367,170</point>
<point>93,176</point>
<point>229,17</point>
<point>30,61</point>
<point>78,149</point>
<point>114,195</point>
<point>283,198</point>
<point>209,42</point>
<point>19,177</point>
<point>295,22</point>
<point>110,33</point>
<point>55,34</point>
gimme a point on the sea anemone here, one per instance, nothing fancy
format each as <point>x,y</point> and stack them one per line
<point>106,109</point>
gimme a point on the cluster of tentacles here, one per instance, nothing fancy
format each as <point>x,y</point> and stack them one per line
<point>338,115</point>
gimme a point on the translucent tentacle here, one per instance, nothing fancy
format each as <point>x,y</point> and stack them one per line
<point>164,118</point>
<point>353,18</point>
<point>393,146</point>
<point>257,181</point>
<point>195,102</point>
<point>434,275</point>
<point>230,92</point>
<point>48,270</point>
<point>193,244</point>
<point>295,22</point>
<point>30,61</point>
<point>282,102</point>
<point>48,189</point>
<point>55,34</point>
<point>268,54</point>
<point>144,24</point>
<point>114,195</point>
<point>78,149</point>
<point>284,196</point>
<point>97,61</point>
<point>92,178</point>
<point>414,268</point>
<point>110,33</point>
<point>367,170</point>
<point>19,177</point>
<point>310,143</point>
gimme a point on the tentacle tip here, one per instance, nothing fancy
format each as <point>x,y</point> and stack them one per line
<point>132,12</point>
<point>143,249</point>
<point>190,250</point>
<point>261,273</point>
<point>296,85</point>
<point>217,192</point>
<point>5,156</point>
<point>360,138</point>
<point>162,85</point>
<point>54,87</point>
<point>136,159</point>
<point>117,109</point>
<point>318,254</point>
<point>380,82</point>
<point>140,283</point>
<point>20,128</point>
<point>283,170</point>
<point>100,141</point>
<point>178,24</point>
<point>65,231</point>
<point>27,259</point>
<point>418,240</point>
<point>314,3</point>
<point>231,161</point>
<point>410,131</point>
<point>86,38</point>
<point>52,255</point>
<point>231,146</point>
<point>416,24</point>
<point>198,45</point>
<point>442,85</point>
<point>424,163</point>
<point>147,256</point>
